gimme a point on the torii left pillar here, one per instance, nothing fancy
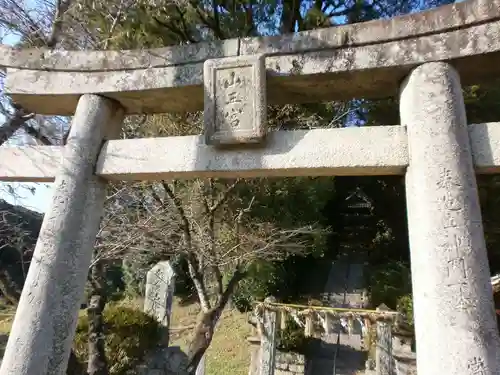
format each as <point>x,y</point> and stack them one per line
<point>44,326</point>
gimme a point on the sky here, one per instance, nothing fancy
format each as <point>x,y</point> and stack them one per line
<point>38,201</point>
<point>34,196</point>
<point>22,193</point>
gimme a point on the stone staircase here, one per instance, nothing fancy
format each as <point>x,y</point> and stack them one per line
<point>340,353</point>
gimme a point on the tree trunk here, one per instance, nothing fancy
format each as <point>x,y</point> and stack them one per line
<point>74,366</point>
<point>98,364</point>
<point>199,285</point>
<point>8,287</point>
<point>207,322</point>
<point>14,123</point>
<point>290,16</point>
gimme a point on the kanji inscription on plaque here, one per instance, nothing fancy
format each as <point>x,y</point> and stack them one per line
<point>235,100</point>
<point>476,366</point>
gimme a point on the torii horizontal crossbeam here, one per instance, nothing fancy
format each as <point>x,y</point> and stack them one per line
<point>380,150</point>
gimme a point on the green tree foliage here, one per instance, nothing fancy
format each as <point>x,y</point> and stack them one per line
<point>130,334</point>
<point>482,106</point>
<point>389,283</point>
<point>262,276</point>
<point>292,338</point>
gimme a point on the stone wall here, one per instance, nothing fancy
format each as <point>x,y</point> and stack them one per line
<point>405,361</point>
<point>401,360</point>
<point>285,363</point>
<point>163,361</point>
<point>289,364</point>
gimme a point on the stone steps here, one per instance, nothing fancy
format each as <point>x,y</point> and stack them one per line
<point>344,288</point>
<point>344,366</point>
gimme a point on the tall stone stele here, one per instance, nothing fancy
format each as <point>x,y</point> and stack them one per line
<point>160,286</point>
<point>455,322</point>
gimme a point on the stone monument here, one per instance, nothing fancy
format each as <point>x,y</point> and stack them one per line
<point>160,286</point>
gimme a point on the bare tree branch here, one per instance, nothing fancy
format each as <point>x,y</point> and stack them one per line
<point>37,134</point>
<point>224,196</point>
<point>57,23</point>
<point>14,123</point>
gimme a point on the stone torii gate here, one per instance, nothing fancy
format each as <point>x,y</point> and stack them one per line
<point>424,58</point>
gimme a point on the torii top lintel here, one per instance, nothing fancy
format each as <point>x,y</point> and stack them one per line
<point>361,60</point>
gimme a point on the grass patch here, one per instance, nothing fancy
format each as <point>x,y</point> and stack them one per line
<point>229,353</point>
<point>7,313</point>
<point>6,324</point>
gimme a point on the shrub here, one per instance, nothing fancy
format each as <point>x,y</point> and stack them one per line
<point>130,334</point>
<point>405,306</point>
<point>388,283</point>
<point>292,338</point>
<point>281,279</point>
<point>256,286</point>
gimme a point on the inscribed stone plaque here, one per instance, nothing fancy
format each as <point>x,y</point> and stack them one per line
<point>235,100</point>
<point>160,284</point>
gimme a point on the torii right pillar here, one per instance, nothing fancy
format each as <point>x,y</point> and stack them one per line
<point>455,322</point>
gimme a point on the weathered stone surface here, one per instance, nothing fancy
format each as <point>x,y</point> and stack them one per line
<point>163,361</point>
<point>401,344</point>
<point>405,363</point>
<point>364,60</point>
<point>280,366</point>
<point>456,329</point>
<point>384,359</point>
<point>160,285</point>
<point>235,100</point>
<point>288,358</point>
<point>45,321</point>
<point>105,61</point>
<point>268,341</point>
<point>435,21</point>
<point>296,368</point>
<point>30,163</point>
<point>348,151</point>
<point>382,150</point>
<point>282,362</point>
<point>255,354</point>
